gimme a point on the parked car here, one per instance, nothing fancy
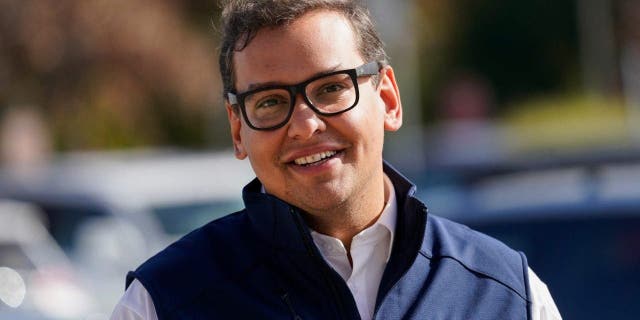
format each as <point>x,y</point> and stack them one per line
<point>111,211</point>
<point>577,221</point>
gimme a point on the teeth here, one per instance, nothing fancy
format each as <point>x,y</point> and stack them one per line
<point>314,157</point>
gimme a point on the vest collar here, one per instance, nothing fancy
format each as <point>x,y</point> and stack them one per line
<point>281,224</point>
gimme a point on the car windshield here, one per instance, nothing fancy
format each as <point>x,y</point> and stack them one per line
<point>180,219</point>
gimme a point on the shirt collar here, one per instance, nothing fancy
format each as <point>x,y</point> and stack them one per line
<point>387,218</point>
<point>389,214</point>
<point>386,221</point>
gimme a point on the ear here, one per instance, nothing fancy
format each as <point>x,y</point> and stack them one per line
<point>390,95</point>
<point>236,124</point>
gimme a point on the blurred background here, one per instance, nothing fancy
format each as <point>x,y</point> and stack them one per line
<point>522,119</point>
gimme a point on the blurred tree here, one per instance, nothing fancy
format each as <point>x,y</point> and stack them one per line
<point>113,74</point>
<point>522,48</point>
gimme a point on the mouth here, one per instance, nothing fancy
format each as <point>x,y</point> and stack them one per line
<point>315,159</point>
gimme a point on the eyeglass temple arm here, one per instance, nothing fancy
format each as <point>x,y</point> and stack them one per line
<point>232,98</point>
<point>369,69</point>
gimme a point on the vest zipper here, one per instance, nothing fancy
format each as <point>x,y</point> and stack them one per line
<point>377,307</point>
<point>287,301</point>
<point>319,261</point>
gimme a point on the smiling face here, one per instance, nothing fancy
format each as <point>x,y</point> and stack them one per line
<point>319,164</point>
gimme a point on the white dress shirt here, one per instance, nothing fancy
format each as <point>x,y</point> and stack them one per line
<point>370,252</point>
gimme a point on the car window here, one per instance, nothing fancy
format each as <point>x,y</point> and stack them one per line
<point>63,221</point>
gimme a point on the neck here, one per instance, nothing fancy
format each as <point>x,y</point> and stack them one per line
<point>350,218</point>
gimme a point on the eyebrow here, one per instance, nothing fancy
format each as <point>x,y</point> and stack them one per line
<point>256,85</point>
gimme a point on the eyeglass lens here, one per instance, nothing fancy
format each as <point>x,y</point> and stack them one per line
<point>329,94</point>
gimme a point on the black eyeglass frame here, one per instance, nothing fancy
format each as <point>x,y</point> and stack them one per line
<point>368,69</point>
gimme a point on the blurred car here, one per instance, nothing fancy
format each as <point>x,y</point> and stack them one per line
<point>37,280</point>
<point>111,211</point>
<point>578,222</point>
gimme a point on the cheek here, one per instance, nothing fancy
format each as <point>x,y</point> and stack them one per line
<point>249,146</point>
<point>369,122</point>
<point>369,115</point>
<point>261,147</point>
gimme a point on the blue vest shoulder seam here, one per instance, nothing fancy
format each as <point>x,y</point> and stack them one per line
<point>430,257</point>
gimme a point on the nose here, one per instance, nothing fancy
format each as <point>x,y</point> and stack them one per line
<point>304,123</point>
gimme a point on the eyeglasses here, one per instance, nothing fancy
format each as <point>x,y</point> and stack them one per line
<point>271,107</point>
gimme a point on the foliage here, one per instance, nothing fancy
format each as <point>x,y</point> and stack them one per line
<point>97,70</point>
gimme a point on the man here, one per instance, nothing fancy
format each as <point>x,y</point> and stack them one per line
<point>330,231</point>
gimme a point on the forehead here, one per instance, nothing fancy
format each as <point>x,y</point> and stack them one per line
<point>318,41</point>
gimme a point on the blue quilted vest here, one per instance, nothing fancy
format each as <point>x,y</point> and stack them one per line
<point>261,263</point>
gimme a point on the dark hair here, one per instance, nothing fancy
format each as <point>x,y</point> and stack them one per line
<point>241,20</point>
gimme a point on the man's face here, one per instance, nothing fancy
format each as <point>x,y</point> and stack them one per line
<point>349,143</point>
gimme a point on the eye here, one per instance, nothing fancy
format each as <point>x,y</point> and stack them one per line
<point>332,87</point>
<point>271,102</point>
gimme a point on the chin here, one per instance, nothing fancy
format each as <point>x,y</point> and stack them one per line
<point>321,202</point>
